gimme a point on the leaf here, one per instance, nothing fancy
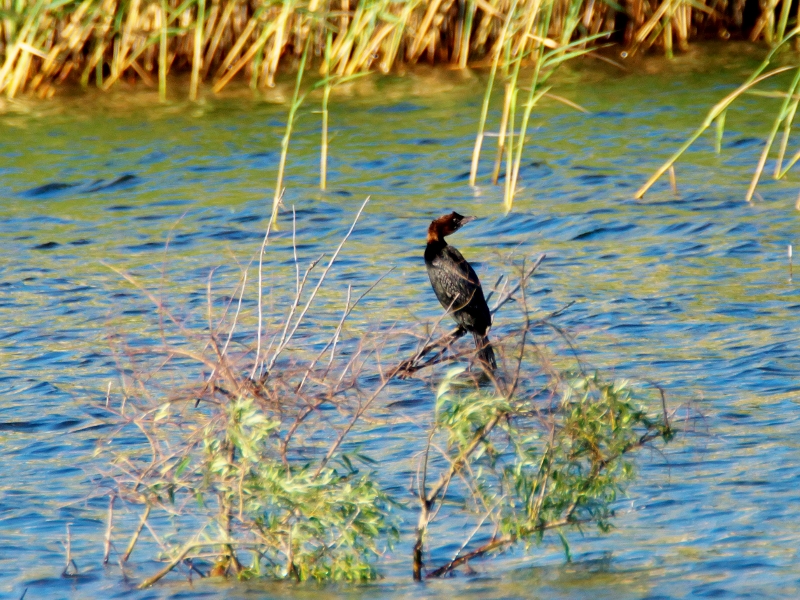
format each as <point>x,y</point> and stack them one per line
<point>182,466</point>
<point>346,461</point>
<point>163,412</point>
<point>365,459</point>
<point>58,3</point>
<point>444,387</point>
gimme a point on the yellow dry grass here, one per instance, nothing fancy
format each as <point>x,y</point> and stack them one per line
<point>45,42</point>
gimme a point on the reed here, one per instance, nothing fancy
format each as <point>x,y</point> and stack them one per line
<point>526,37</point>
<point>326,94</point>
<point>44,43</point>
<point>784,116</point>
<point>297,100</point>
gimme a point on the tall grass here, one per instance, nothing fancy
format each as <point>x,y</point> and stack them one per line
<point>536,45</point>
<point>44,43</point>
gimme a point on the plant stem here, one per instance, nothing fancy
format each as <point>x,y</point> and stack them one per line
<point>297,100</point>
<point>162,55</point>
<point>715,111</point>
<point>323,161</point>
<point>476,152</point>
<point>197,58</point>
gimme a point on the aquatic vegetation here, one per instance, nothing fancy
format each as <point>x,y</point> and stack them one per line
<point>784,117</point>
<point>247,461</point>
<point>44,43</point>
<point>524,464</point>
<point>511,141</point>
<point>542,448</point>
<point>327,83</point>
<point>250,458</point>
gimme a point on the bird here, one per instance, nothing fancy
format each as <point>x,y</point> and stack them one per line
<point>457,285</point>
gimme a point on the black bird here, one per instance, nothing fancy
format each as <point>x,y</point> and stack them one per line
<point>457,286</point>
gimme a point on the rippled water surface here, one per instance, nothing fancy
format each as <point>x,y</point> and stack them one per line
<point>691,291</point>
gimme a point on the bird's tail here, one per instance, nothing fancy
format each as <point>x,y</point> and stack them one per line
<point>485,350</point>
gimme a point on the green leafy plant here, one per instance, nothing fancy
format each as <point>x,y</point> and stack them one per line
<point>243,463</point>
<point>536,448</point>
<point>523,465</point>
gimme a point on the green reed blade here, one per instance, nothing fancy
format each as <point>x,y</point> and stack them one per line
<point>476,152</point>
<point>297,100</point>
<point>755,78</point>
<point>771,137</point>
<point>787,129</point>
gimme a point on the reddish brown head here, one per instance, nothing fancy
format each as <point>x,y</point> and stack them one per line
<point>446,225</point>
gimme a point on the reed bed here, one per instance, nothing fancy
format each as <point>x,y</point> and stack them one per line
<point>44,43</point>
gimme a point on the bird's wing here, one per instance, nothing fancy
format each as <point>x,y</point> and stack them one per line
<point>462,268</point>
<point>461,286</point>
<point>470,291</point>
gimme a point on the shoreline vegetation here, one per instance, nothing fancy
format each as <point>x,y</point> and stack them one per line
<point>521,43</point>
<point>46,43</point>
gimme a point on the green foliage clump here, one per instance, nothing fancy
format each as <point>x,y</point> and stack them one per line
<point>325,524</point>
<point>525,463</point>
<point>230,475</point>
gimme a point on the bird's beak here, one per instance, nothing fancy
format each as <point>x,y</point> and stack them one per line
<point>466,220</point>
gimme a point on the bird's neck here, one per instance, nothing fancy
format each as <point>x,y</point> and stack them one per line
<point>435,238</point>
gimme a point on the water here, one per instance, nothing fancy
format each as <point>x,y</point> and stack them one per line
<point>690,291</point>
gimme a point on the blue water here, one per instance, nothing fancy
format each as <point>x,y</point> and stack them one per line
<point>690,290</point>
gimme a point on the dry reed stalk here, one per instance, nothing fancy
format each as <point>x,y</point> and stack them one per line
<point>219,29</point>
<point>466,34</point>
<point>109,526</point>
<point>417,45</point>
<point>70,562</point>
<point>16,47</point>
<point>162,54</point>
<point>364,54</point>
<point>278,41</point>
<point>137,532</point>
<point>390,52</point>
<point>126,41</point>
<point>237,47</point>
<point>242,62</point>
<point>326,93</point>
<point>198,49</point>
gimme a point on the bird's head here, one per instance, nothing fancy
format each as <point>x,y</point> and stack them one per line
<point>447,225</point>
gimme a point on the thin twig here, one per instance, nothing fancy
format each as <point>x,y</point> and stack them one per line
<point>136,534</point>
<point>70,561</point>
<point>260,307</point>
<point>107,545</point>
<point>285,341</point>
